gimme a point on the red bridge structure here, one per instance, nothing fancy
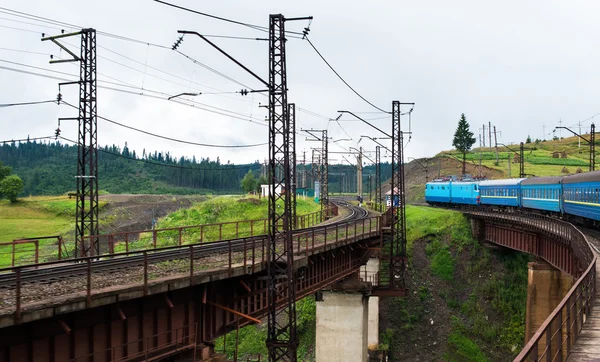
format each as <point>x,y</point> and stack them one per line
<point>154,303</point>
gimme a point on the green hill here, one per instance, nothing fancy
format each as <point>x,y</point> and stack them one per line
<point>542,158</point>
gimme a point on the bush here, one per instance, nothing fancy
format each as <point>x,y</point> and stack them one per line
<point>10,187</point>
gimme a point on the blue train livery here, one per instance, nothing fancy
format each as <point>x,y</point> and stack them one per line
<point>437,192</point>
<point>542,193</point>
<point>581,195</point>
<point>464,193</point>
<point>575,197</point>
<point>501,192</point>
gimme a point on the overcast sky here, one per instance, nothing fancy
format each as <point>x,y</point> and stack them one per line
<point>517,64</point>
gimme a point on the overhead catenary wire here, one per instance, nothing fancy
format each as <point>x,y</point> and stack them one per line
<point>340,77</point>
<point>27,139</point>
<point>190,103</point>
<point>171,138</point>
<point>230,168</point>
<point>3,105</point>
<point>252,26</point>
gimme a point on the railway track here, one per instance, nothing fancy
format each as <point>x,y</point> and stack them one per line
<point>52,272</point>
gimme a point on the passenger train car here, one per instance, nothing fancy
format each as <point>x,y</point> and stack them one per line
<point>572,197</point>
<point>501,192</point>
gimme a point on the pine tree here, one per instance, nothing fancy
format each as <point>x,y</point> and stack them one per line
<point>463,139</point>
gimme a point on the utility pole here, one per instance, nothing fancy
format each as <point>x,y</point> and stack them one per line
<point>359,169</point>
<point>292,156</point>
<point>544,132</point>
<point>304,170</point>
<point>522,163</point>
<point>282,339</point>
<point>560,131</point>
<point>484,135</point>
<point>579,138</point>
<point>370,189</point>
<point>378,178</point>
<point>397,258</point>
<point>490,133</point>
<point>86,219</point>
<point>496,146</point>
<point>591,142</point>
<point>312,169</point>
<point>509,174</point>
<point>592,147</point>
<point>324,173</point>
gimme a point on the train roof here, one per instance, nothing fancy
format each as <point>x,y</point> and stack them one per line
<point>582,177</point>
<point>439,183</point>
<point>543,180</point>
<point>504,182</point>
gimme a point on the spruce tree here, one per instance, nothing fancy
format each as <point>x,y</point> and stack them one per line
<point>463,139</point>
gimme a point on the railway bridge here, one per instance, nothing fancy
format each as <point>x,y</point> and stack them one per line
<point>151,304</point>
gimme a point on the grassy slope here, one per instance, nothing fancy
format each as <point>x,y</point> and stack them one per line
<point>216,210</point>
<point>538,162</point>
<point>476,297</point>
<point>34,216</point>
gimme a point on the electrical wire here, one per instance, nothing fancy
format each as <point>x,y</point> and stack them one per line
<point>213,70</point>
<point>25,103</point>
<point>342,79</point>
<point>170,138</point>
<point>27,139</point>
<point>191,103</point>
<point>25,51</point>
<point>252,26</point>
<point>232,168</point>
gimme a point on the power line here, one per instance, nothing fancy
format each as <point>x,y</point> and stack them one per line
<point>71,26</point>
<point>191,103</point>
<point>27,139</point>
<point>25,103</point>
<point>212,70</point>
<point>232,167</point>
<point>340,77</point>
<point>173,139</point>
<point>24,51</point>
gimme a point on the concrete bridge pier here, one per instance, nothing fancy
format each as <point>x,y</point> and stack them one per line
<point>368,273</point>
<point>546,287</point>
<point>342,327</point>
<point>348,318</point>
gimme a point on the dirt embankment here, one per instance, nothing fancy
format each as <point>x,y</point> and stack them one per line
<point>125,212</point>
<point>424,322</point>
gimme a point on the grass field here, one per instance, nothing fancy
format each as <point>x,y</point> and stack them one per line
<point>217,210</point>
<point>34,217</point>
<point>538,158</point>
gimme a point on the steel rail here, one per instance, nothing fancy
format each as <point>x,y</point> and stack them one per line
<point>50,272</point>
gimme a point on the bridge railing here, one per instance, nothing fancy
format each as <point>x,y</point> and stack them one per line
<point>141,268</point>
<point>558,334</point>
<point>28,251</point>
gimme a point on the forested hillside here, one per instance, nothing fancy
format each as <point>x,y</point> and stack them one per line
<point>49,169</point>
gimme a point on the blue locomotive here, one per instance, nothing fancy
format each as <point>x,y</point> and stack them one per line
<point>575,197</point>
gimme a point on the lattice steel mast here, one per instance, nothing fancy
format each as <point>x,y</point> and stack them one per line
<point>593,147</point>
<point>378,177</point>
<point>294,173</point>
<point>324,173</point>
<point>397,247</point>
<point>87,141</point>
<point>282,339</point>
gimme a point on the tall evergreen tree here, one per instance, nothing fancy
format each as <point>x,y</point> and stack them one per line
<point>463,139</point>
